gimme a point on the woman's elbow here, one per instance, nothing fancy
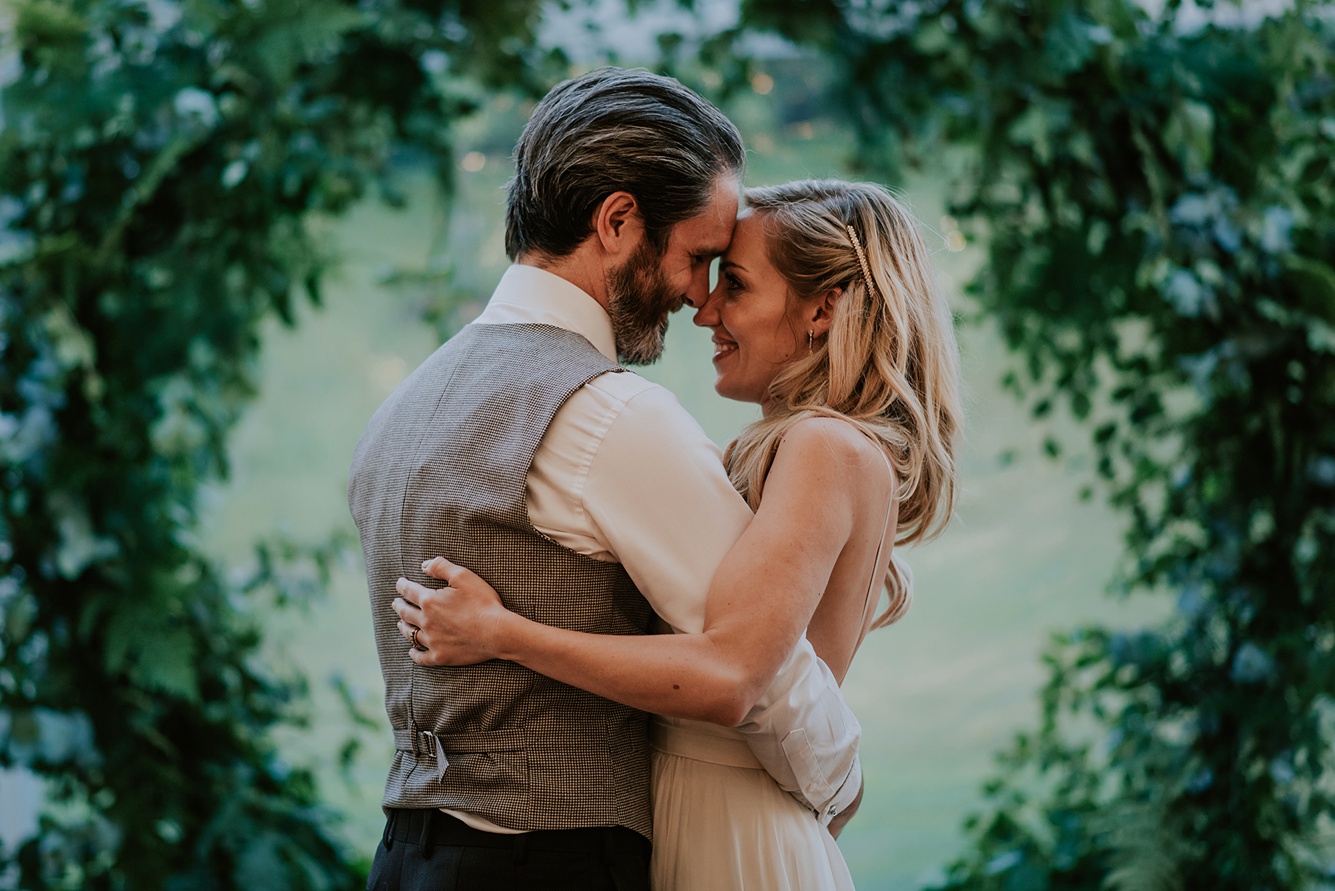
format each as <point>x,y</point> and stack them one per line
<point>730,680</point>
<point>732,701</point>
<point>724,711</point>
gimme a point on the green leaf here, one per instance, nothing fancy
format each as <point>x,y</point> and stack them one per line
<point>1189,135</point>
<point>1072,41</point>
<point>1031,129</point>
<point>1313,282</point>
<point>169,665</point>
<point>44,23</point>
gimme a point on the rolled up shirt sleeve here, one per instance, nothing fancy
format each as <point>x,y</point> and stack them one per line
<point>805,735</point>
<point>657,496</point>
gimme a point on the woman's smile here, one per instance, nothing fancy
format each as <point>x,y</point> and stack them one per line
<point>723,347</point>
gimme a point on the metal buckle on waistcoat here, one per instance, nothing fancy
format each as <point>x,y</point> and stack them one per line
<point>427,745</point>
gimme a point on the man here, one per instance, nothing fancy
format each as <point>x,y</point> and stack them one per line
<point>522,450</point>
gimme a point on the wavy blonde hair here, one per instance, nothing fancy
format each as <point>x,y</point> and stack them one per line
<point>889,363</point>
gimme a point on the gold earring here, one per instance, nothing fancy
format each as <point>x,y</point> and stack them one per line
<point>811,341</point>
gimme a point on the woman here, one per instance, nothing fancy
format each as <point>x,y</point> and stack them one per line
<point>826,314</point>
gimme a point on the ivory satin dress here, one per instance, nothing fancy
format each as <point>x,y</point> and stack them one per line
<point>721,823</point>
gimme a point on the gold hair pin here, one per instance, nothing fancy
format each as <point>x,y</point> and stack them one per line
<point>862,259</point>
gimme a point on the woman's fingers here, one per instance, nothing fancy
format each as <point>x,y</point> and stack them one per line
<point>420,648</point>
<point>408,611</point>
<point>415,636</point>
<point>411,591</point>
<point>439,568</point>
<point>414,624</point>
<point>451,573</point>
<point>443,622</point>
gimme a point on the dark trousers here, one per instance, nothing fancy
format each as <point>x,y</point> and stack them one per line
<point>426,850</point>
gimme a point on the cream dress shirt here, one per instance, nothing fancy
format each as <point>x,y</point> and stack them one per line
<point>625,474</point>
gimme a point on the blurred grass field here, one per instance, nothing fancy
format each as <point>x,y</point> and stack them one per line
<point>938,694</point>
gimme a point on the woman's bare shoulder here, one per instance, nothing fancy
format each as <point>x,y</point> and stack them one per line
<point>823,438</point>
<point>831,456</point>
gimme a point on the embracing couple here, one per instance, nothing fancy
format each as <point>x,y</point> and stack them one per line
<point>547,725</point>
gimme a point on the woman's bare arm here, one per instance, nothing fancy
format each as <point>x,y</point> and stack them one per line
<point>760,601</point>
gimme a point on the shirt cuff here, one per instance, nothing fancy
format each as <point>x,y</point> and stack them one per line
<point>805,736</point>
<point>844,798</point>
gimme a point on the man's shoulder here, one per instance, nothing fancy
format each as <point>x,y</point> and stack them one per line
<point>634,412</point>
<point>636,396</point>
<point>624,384</point>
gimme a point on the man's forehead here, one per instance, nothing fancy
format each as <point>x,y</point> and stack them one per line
<point>713,242</point>
<point>726,200</point>
<point>711,229</point>
<point>716,244</point>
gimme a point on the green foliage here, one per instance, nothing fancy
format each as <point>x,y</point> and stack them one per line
<point>1157,200</point>
<point>158,165</point>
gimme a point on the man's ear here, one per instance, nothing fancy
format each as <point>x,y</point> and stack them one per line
<point>617,223</point>
<point>820,312</point>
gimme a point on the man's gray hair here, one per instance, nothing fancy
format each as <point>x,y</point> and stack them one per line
<point>615,130</point>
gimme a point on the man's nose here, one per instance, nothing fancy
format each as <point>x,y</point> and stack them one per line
<point>697,294</point>
<point>706,313</point>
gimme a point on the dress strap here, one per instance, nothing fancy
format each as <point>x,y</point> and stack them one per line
<point>878,578</point>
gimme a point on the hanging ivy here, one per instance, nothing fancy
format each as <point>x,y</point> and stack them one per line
<point>159,164</point>
<point>1155,191</point>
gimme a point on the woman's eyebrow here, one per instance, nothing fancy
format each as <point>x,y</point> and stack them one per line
<point>729,264</point>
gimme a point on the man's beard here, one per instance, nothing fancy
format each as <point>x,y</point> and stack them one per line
<point>639,301</point>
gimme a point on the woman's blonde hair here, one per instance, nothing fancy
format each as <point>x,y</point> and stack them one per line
<point>889,363</point>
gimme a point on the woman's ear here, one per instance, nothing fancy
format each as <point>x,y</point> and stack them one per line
<point>820,313</point>
<point>617,223</point>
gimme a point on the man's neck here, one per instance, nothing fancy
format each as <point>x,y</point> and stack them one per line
<point>578,268</point>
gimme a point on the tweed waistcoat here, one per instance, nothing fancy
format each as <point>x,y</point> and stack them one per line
<point>442,469</point>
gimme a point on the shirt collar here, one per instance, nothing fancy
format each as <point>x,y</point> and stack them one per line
<point>533,295</point>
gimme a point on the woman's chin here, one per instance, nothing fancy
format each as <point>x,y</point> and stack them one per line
<point>725,389</point>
